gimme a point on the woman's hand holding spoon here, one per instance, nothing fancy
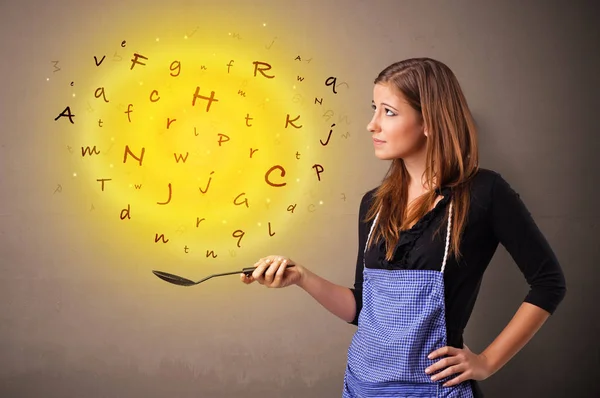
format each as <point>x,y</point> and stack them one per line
<point>275,271</point>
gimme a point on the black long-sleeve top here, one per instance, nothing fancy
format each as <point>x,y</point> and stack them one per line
<point>496,215</point>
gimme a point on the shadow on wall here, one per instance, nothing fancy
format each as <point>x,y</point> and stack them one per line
<point>51,375</point>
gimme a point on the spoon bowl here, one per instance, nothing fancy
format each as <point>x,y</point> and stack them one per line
<point>175,279</point>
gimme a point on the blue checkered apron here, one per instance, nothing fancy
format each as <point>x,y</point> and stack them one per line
<point>402,321</point>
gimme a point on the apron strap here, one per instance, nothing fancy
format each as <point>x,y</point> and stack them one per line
<point>447,237</point>
<point>369,237</point>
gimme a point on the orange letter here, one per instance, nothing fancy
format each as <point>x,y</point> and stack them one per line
<point>153,93</point>
<point>269,172</point>
<point>135,60</point>
<point>127,151</point>
<point>261,70</point>
<point>210,99</point>
<point>178,67</point>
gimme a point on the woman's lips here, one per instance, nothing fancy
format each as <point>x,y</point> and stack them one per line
<point>378,142</point>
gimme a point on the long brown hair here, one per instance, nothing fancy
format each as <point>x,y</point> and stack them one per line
<point>431,88</point>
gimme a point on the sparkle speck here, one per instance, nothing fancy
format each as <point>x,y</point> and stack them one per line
<point>294,87</point>
<point>268,200</point>
<point>47,79</point>
<point>111,166</point>
<point>264,24</point>
<point>297,180</point>
<point>307,147</point>
<point>208,152</point>
<point>260,224</point>
<point>320,202</point>
<point>267,100</point>
<point>277,135</point>
<point>185,37</point>
<point>224,221</point>
<point>141,83</point>
<point>74,174</point>
<point>112,138</point>
<point>130,185</point>
<point>157,39</point>
<point>73,95</point>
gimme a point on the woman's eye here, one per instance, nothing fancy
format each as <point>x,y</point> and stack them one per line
<point>388,112</point>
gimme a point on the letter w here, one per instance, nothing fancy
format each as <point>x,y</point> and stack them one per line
<point>180,157</point>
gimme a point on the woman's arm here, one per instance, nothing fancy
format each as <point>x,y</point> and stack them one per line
<point>522,327</point>
<point>515,228</point>
<point>467,365</point>
<point>337,299</point>
<point>517,231</point>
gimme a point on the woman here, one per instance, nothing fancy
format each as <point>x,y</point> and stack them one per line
<point>426,236</point>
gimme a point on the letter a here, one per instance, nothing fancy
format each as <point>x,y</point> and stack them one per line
<point>66,113</point>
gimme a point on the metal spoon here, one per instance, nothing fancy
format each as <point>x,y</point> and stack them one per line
<point>178,280</point>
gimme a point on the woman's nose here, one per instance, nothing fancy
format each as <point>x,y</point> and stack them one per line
<point>373,126</point>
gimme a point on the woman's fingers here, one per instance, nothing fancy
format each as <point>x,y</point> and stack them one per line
<point>246,279</point>
<point>277,281</point>
<point>259,273</point>
<point>268,271</point>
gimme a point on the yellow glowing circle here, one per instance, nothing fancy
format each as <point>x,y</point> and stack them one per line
<point>202,140</point>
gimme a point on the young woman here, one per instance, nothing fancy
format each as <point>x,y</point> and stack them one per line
<point>426,236</point>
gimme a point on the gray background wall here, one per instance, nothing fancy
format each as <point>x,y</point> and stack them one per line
<point>82,316</point>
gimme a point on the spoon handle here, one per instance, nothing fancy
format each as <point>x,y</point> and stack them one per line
<point>248,270</point>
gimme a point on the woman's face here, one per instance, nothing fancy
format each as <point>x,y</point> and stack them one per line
<point>397,124</point>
